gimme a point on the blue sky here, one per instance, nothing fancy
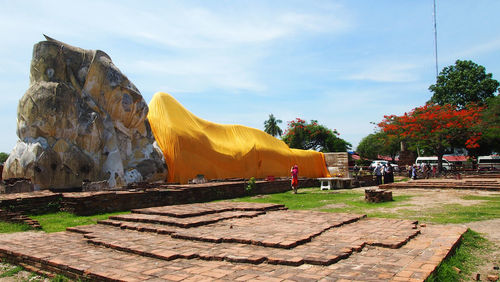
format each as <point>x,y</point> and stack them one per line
<point>343,63</point>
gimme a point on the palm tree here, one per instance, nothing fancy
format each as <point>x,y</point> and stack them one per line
<point>271,126</point>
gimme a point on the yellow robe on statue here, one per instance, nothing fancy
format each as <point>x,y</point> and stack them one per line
<point>193,146</point>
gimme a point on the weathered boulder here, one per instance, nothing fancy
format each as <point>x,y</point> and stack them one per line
<point>82,120</point>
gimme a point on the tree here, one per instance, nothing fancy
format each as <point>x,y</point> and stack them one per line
<point>312,136</point>
<point>370,147</point>
<point>463,83</point>
<point>271,126</point>
<point>435,128</point>
<point>3,157</point>
<point>491,118</point>
<point>379,143</point>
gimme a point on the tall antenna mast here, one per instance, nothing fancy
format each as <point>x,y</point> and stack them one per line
<point>435,41</point>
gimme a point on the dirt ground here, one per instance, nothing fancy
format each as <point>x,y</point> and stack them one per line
<point>491,230</point>
<point>432,198</point>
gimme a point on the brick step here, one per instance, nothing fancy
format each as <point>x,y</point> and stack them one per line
<point>18,217</point>
<point>457,184</point>
<point>441,187</point>
<point>399,249</point>
<point>240,230</point>
<point>473,183</point>
<point>137,226</point>
<point>453,183</point>
<point>66,253</point>
<point>274,229</point>
<point>194,210</point>
<point>342,241</point>
<point>446,185</point>
<point>185,222</point>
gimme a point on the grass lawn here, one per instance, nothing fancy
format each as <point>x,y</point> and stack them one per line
<point>55,222</point>
<point>7,227</point>
<point>314,198</point>
<point>10,271</point>
<point>353,202</point>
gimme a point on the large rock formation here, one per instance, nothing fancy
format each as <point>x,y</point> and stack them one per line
<point>81,119</point>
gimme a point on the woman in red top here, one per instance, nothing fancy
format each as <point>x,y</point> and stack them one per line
<point>295,178</point>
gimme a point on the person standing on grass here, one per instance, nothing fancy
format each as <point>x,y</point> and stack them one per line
<point>385,174</point>
<point>389,171</point>
<point>355,170</point>
<point>414,172</point>
<point>378,171</point>
<point>427,171</point>
<point>295,178</point>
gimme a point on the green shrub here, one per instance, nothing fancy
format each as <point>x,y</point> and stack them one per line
<point>250,188</point>
<point>3,157</point>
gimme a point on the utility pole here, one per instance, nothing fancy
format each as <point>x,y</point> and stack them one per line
<point>435,41</point>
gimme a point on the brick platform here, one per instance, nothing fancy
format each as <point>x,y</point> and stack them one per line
<point>492,184</point>
<point>237,242</point>
<point>377,195</point>
<point>31,203</point>
<point>147,195</point>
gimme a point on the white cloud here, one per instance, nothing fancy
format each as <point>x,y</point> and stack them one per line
<point>386,72</point>
<point>170,24</point>
<point>492,46</point>
<point>195,47</point>
<point>196,74</point>
<point>195,27</point>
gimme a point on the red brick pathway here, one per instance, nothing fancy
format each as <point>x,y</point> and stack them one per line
<point>277,245</point>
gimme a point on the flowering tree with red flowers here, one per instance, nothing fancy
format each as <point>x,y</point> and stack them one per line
<point>313,136</point>
<point>436,127</point>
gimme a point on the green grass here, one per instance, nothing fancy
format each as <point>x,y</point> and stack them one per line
<point>8,227</point>
<point>404,179</point>
<point>11,272</point>
<point>55,222</point>
<point>465,258</point>
<point>61,278</point>
<point>327,200</point>
<point>483,198</point>
<point>353,202</point>
<point>454,213</point>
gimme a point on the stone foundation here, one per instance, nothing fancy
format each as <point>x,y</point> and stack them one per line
<point>364,181</point>
<point>18,217</point>
<point>377,195</point>
<point>88,203</point>
<point>16,185</point>
<point>31,203</point>
<point>236,241</point>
